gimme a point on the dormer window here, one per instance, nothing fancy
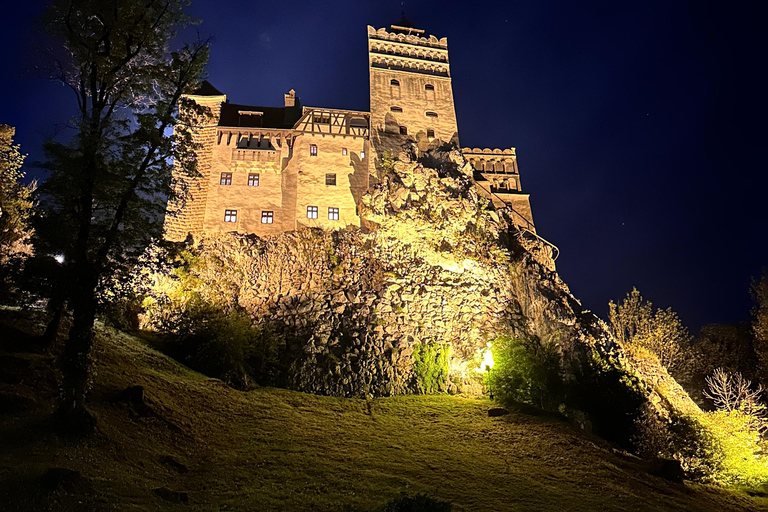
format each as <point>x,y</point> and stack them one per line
<point>396,109</point>
<point>394,83</point>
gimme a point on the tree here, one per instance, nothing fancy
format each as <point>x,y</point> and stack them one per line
<point>731,392</point>
<point>15,198</point>
<point>635,323</point>
<point>759,292</point>
<point>104,199</point>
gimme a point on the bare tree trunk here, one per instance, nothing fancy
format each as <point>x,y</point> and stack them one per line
<point>76,361</point>
<point>57,305</point>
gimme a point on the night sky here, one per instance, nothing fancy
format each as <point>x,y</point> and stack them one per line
<point>640,127</point>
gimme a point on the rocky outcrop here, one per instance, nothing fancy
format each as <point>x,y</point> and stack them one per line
<point>433,266</point>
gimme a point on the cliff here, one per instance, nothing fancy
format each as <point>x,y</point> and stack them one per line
<point>434,270</point>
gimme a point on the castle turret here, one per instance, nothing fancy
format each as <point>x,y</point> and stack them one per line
<point>411,91</point>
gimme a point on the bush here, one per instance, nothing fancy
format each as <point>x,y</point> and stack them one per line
<point>528,374</point>
<point>611,397</point>
<point>226,345</point>
<point>430,367</point>
<point>718,447</point>
<point>416,503</point>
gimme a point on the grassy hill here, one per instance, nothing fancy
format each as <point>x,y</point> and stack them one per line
<point>272,449</point>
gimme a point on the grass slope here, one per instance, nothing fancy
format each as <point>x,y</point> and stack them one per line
<point>272,449</point>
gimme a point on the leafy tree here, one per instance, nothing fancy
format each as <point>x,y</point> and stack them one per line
<point>635,323</point>
<point>104,199</point>
<point>15,198</point>
<point>759,292</point>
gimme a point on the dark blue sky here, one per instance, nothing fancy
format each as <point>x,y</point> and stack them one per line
<point>640,127</point>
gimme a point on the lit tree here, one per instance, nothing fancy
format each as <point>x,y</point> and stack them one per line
<point>104,199</point>
<point>759,292</point>
<point>731,392</point>
<point>634,322</point>
<point>15,198</point>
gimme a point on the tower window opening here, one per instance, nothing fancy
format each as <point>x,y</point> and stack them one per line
<point>313,150</point>
<point>429,87</point>
<point>431,114</point>
<point>253,180</point>
<point>394,83</point>
<point>333,214</point>
<point>396,109</point>
<point>344,151</point>
<point>330,179</point>
<point>431,134</point>
<point>230,215</point>
<point>226,178</point>
<point>403,130</point>
<point>311,212</point>
<point>267,217</point>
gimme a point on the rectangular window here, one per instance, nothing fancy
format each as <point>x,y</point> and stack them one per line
<point>362,155</point>
<point>431,134</point>
<point>267,217</point>
<point>226,178</point>
<point>230,215</point>
<point>344,151</point>
<point>333,214</point>
<point>253,180</point>
<point>403,130</point>
<point>330,179</point>
<point>313,150</point>
<point>311,212</point>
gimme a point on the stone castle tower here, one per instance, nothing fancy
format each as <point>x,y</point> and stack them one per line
<point>410,78</point>
<point>266,170</point>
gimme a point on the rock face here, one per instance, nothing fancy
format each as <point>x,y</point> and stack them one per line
<point>433,267</point>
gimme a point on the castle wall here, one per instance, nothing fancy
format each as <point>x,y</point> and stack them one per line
<point>262,156</point>
<point>187,214</point>
<point>499,181</point>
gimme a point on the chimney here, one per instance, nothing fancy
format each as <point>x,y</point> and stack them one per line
<point>290,98</point>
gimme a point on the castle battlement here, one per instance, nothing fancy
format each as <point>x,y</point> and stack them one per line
<point>266,170</point>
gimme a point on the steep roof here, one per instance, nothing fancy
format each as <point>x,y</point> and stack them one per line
<point>206,89</point>
<point>270,117</point>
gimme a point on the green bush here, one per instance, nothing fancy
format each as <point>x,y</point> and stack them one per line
<point>713,447</point>
<point>416,503</point>
<point>227,345</point>
<point>430,367</point>
<point>527,374</point>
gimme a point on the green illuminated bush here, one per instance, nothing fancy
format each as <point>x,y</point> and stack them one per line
<point>430,367</point>
<point>521,373</point>
<point>718,447</point>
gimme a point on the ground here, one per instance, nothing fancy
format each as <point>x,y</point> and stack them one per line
<point>200,445</point>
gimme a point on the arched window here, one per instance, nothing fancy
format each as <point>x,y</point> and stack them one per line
<point>429,87</point>
<point>394,82</point>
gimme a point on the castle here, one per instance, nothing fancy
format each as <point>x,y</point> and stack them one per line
<point>266,170</point>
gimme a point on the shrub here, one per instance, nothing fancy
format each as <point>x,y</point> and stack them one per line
<point>430,367</point>
<point>226,345</point>
<point>528,374</point>
<point>612,398</point>
<point>718,447</point>
<point>416,503</point>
